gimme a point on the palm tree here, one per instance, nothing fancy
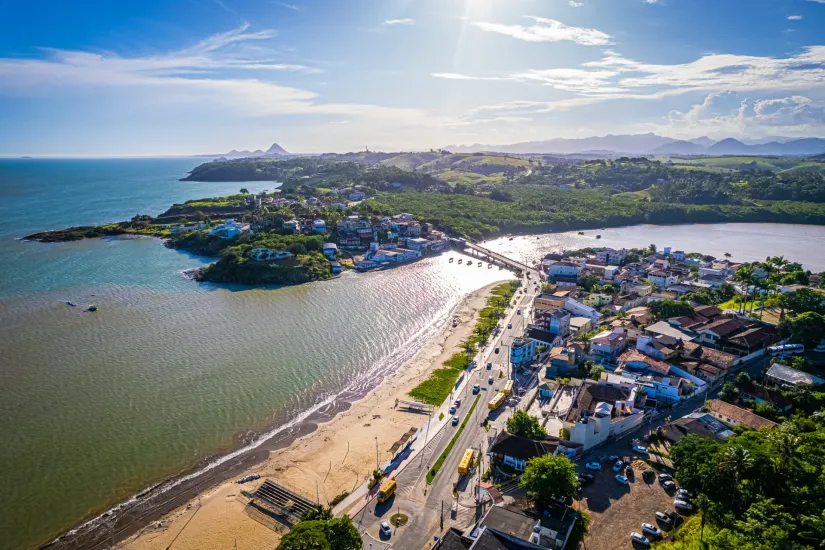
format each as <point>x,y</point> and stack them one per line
<point>784,444</point>
<point>736,460</point>
<point>745,276</point>
<point>702,502</point>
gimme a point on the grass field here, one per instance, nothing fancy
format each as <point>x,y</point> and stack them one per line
<point>733,163</point>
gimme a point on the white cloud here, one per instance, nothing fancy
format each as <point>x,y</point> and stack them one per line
<point>190,75</point>
<point>817,1</point>
<point>794,18</point>
<point>405,21</point>
<point>547,30</point>
<point>574,4</point>
<point>458,76</point>
<point>292,7</point>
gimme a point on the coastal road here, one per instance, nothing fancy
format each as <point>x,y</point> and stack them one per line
<point>426,505</point>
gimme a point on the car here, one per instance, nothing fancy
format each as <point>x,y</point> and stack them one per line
<point>455,421</point>
<point>509,325</point>
<point>457,403</point>
<point>820,348</point>
<point>621,479</point>
<point>582,480</point>
<point>665,477</point>
<point>651,530</point>
<point>476,389</point>
<point>496,350</point>
<point>641,450</point>
<point>629,470</point>
<point>452,409</point>
<point>664,518</point>
<point>618,466</point>
<point>639,539</point>
<point>588,477</point>
<point>489,366</point>
<point>613,458</point>
<point>490,380</point>
<point>648,473</point>
<point>682,505</point>
<point>518,312</point>
<point>683,494</point>
<point>385,529</point>
<point>593,466</point>
<point>668,485</point>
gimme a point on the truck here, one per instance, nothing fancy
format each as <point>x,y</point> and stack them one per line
<point>466,462</point>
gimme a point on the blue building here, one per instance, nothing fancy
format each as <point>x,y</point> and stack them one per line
<point>522,351</point>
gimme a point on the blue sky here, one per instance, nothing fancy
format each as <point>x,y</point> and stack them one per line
<point>204,76</point>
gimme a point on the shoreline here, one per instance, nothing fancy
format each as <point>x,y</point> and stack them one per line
<point>134,521</point>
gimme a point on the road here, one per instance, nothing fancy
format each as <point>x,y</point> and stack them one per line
<point>425,504</point>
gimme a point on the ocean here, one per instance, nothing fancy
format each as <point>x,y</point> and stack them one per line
<point>169,373</point>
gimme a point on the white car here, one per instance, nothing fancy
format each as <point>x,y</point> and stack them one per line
<point>664,518</point>
<point>618,466</point>
<point>651,530</point>
<point>641,450</point>
<point>668,485</point>
<point>639,538</point>
<point>385,529</point>
<point>621,479</point>
<point>593,466</point>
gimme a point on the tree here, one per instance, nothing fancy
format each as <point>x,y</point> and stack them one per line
<point>807,329</point>
<point>729,392</point>
<point>587,282</point>
<point>665,309</point>
<point>765,410</point>
<point>317,512</point>
<point>524,425</point>
<point>596,372</point>
<point>742,379</point>
<point>736,460</point>
<point>334,534</point>
<point>244,191</point>
<point>549,478</point>
<point>803,301</point>
<point>297,248</point>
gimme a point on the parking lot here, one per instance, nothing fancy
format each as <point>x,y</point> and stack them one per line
<point>617,510</point>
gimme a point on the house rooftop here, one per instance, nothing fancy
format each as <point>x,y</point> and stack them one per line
<point>635,356</point>
<point>663,327</point>
<point>698,352</point>
<point>722,327</point>
<point>591,394</point>
<point>521,448</point>
<point>790,376</point>
<point>738,415</point>
<point>697,423</point>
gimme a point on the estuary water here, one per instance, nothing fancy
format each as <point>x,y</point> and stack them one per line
<point>97,406</point>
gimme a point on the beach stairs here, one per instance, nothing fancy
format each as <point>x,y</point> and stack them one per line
<point>277,507</point>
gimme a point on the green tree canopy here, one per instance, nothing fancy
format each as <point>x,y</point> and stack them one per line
<point>803,301</point>
<point>549,478</point>
<point>665,309</point>
<point>333,534</point>
<point>524,425</point>
<point>808,328</point>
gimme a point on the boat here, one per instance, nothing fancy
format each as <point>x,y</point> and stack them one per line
<point>581,232</point>
<point>91,307</point>
<point>451,260</point>
<point>598,236</point>
<point>511,238</point>
<point>460,260</point>
<point>71,304</point>
<point>489,266</point>
<point>479,264</point>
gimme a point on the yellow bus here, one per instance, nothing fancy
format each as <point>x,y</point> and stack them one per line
<point>466,462</point>
<point>508,388</point>
<point>386,491</point>
<point>496,402</point>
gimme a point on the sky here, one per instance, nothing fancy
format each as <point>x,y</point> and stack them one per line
<point>184,77</point>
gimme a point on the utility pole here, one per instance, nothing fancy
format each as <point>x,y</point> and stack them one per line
<point>442,515</point>
<point>376,452</point>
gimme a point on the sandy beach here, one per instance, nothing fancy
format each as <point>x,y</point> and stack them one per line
<point>335,458</point>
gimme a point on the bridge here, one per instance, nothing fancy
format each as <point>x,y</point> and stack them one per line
<point>493,256</point>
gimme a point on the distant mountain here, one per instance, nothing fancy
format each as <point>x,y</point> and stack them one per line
<point>274,151</point>
<point>643,144</point>
<point>681,147</point>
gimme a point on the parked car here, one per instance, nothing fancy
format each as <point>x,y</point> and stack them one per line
<point>588,477</point>
<point>489,366</point>
<point>457,403</point>
<point>683,494</point>
<point>639,538</point>
<point>509,325</point>
<point>820,348</point>
<point>682,505</point>
<point>476,389</point>
<point>618,466</point>
<point>613,458</point>
<point>490,380</point>
<point>664,518</point>
<point>650,529</point>
<point>665,477</point>
<point>496,350</point>
<point>641,450</point>
<point>518,312</point>
<point>452,409</point>
<point>621,479</point>
<point>593,466</point>
<point>647,474</point>
<point>455,421</point>
<point>668,485</point>
<point>385,529</point>
<point>629,470</point>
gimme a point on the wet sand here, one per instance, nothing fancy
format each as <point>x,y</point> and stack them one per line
<point>329,454</point>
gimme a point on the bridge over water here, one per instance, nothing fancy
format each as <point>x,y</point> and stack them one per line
<point>492,256</point>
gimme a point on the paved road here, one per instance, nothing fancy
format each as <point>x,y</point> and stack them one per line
<point>424,503</point>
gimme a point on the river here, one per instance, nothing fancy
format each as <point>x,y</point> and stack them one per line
<point>96,406</point>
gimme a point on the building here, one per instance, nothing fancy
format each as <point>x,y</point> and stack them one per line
<point>229,229</point>
<point>697,423</point>
<point>733,416</point>
<point>760,394</point>
<point>609,256</point>
<point>789,377</point>
<point>265,254</point>
<point>319,226</point>
<point>522,351</point>
<point>515,451</point>
<point>599,411</point>
<point>663,327</point>
<point>513,528</point>
<point>597,300</point>
<point>581,310</point>
<point>549,302</point>
<point>559,323</point>
<point>607,345</point>
<point>692,351</point>
<point>678,255</point>
<point>291,225</point>
<point>356,196</point>
<point>417,243</point>
<point>543,337</point>
<point>580,325</point>
<point>563,271</point>
<point>562,361</point>
<point>662,279</point>
<point>330,250</point>
<point>399,255</point>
